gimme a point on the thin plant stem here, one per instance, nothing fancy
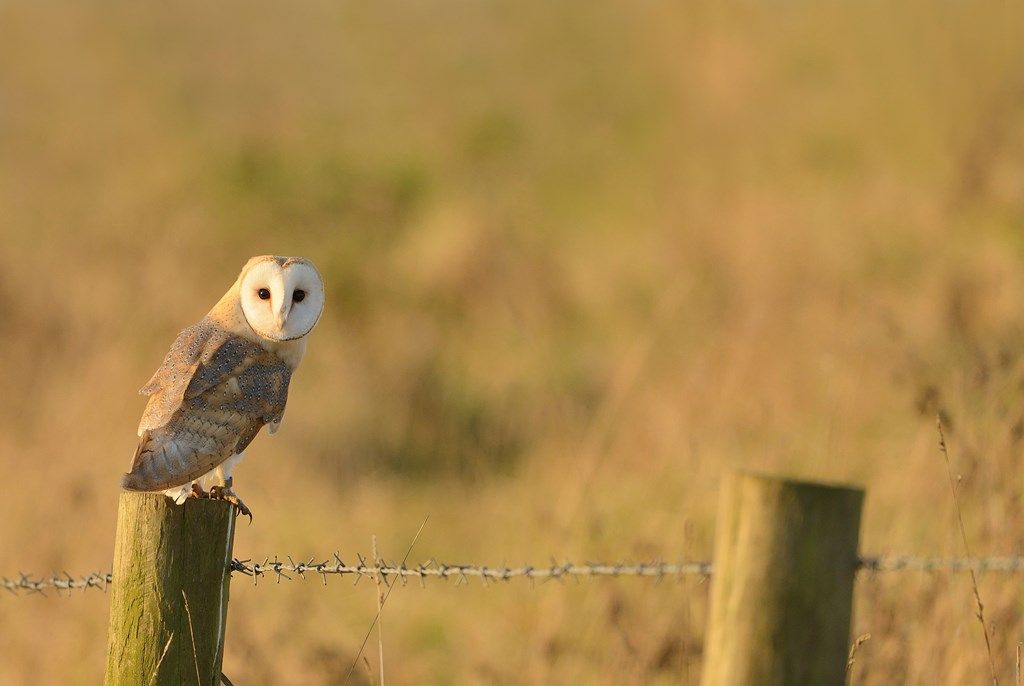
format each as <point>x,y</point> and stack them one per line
<point>195,657</point>
<point>967,551</point>
<point>386,596</point>
<point>380,606</point>
<point>863,638</point>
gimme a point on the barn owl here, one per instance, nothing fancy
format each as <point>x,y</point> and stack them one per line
<point>223,379</point>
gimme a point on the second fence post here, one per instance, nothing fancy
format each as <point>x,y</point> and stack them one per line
<point>782,589</point>
<point>169,596</point>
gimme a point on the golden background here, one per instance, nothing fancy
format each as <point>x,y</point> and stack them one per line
<point>581,258</point>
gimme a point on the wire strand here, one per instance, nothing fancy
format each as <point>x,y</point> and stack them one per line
<point>278,570</point>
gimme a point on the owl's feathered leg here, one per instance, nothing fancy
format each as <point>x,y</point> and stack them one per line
<point>179,494</point>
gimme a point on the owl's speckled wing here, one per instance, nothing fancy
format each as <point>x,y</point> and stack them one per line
<point>208,400</point>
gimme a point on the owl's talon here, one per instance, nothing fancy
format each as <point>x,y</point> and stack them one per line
<point>240,507</point>
<point>225,493</point>
<point>198,492</point>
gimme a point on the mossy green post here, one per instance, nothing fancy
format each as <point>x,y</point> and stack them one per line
<point>782,589</point>
<point>165,555</point>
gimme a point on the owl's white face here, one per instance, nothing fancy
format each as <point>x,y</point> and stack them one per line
<point>281,297</point>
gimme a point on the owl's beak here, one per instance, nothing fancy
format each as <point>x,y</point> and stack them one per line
<point>281,316</point>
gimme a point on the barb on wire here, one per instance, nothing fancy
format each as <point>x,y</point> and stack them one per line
<point>287,570</point>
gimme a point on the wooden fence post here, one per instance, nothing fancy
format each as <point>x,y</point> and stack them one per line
<point>782,589</point>
<point>169,595</point>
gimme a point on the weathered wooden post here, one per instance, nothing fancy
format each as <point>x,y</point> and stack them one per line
<point>169,595</point>
<point>782,590</point>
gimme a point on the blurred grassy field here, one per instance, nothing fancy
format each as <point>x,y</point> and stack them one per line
<point>581,258</point>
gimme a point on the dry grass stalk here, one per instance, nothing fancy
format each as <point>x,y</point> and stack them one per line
<point>380,607</point>
<point>167,646</point>
<point>863,638</point>
<point>199,679</point>
<point>967,551</point>
<point>383,600</point>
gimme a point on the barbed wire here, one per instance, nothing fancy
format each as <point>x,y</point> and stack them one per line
<point>288,569</point>
<point>64,582</point>
<point>902,563</point>
<point>462,573</point>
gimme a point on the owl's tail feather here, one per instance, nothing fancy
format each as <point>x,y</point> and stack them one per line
<point>162,463</point>
<point>132,482</point>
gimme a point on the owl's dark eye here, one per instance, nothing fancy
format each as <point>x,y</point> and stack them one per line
<point>298,296</point>
<point>263,293</point>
